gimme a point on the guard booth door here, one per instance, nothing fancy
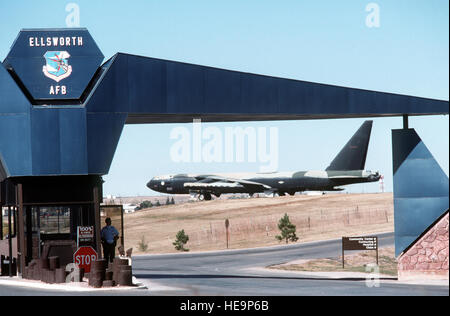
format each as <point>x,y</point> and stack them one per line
<point>115,212</point>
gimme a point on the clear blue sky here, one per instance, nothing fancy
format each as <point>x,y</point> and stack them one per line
<point>322,41</point>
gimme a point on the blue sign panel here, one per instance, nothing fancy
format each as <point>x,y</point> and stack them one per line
<point>55,64</point>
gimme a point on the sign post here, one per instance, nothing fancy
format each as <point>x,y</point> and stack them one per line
<point>227,225</point>
<point>359,243</point>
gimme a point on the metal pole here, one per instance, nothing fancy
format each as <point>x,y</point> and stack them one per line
<point>97,221</point>
<point>227,237</point>
<point>21,232</point>
<point>227,225</point>
<point>405,122</point>
<point>376,239</point>
<point>38,221</point>
<point>1,215</point>
<point>122,238</point>
<point>10,241</point>
<point>342,252</point>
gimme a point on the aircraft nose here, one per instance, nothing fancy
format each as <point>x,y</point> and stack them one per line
<point>152,184</point>
<point>375,176</point>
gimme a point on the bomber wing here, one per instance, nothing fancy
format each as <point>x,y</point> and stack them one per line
<point>215,182</point>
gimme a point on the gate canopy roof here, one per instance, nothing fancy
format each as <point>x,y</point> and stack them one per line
<point>62,112</point>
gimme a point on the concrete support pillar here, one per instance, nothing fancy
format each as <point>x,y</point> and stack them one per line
<point>421,191</point>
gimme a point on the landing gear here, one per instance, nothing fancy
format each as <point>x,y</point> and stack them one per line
<point>271,194</point>
<point>204,196</point>
<point>286,193</point>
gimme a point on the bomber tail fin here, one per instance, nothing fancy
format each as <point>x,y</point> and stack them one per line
<point>353,155</point>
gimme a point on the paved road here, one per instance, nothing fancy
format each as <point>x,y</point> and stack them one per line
<point>233,273</point>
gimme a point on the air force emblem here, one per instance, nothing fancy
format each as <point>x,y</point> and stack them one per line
<point>57,67</point>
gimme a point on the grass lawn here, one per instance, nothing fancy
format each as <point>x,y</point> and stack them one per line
<point>354,262</point>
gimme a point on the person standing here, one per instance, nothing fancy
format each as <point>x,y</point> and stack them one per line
<point>109,236</point>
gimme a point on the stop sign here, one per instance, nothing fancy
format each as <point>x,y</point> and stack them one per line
<point>83,258</point>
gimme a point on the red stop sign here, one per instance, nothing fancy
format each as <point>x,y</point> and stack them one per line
<point>83,258</point>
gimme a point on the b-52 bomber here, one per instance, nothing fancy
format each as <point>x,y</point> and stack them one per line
<point>346,168</point>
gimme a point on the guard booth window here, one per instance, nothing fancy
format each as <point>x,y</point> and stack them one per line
<point>4,232</point>
<point>54,220</point>
<point>58,222</point>
<point>49,228</point>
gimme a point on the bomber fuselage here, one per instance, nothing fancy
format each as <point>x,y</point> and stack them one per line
<point>280,182</point>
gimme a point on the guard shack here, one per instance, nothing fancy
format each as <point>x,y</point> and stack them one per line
<point>52,208</point>
<point>62,111</point>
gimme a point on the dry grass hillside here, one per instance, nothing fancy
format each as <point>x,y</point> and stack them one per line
<point>253,222</point>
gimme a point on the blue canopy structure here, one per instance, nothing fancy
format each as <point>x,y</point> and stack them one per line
<point>55,123</point>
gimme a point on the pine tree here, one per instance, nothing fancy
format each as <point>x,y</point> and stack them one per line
<point>143,245</point>
<point>172,201</point>
<point>181,240</point>
<point>287,230</point>
<point>168,201</point>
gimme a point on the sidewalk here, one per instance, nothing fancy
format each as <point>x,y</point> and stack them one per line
<point>72,286</point>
